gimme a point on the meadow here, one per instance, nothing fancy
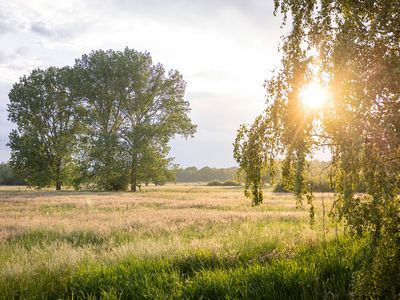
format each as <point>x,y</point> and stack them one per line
<point>170,242</point>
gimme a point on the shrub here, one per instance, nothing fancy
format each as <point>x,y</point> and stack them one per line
<point>280,188</point>
<point>231,183</point>
<point>315,185</point>
<point>214,183</point>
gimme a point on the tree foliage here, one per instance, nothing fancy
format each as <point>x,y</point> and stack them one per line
<point>135,108</point>
<point>7,177</point>
<point>254,155</point>
<point>353,49</point>
<point>205,174</point>
<point>102,87</point>
<point>106,122</point>
<point>48,117</point>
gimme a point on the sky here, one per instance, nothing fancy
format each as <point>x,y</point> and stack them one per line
<point>224,49</point>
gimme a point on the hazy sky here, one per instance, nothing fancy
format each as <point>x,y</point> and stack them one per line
<point>225,49</point>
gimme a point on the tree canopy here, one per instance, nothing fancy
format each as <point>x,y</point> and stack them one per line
<point>205,174</point>
<point>135,108</point>
<point>106,122</point>
<point>48,118</point>
<point>352,48</point>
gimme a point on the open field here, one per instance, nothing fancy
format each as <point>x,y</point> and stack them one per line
<point>168,242</point>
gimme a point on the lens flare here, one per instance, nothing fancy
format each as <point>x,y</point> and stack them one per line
<point>313,95</point>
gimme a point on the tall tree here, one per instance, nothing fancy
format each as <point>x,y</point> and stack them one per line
<point>135,109</point>
<point>352,48</point>
<point>48,118</point>
<point>102,85</point>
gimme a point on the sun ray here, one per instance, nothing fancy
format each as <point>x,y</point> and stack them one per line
<point>313,95</point>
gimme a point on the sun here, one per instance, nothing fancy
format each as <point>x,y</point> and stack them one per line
<point>313,95</point>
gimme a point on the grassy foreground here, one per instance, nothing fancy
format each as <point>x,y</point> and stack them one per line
<point>172,242</point>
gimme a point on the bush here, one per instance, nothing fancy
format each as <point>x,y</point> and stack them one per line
<point>316,187</point>
<point>231,183</point>
<point>214,183</point>
<point>225,183</point>
<point>280,188</point>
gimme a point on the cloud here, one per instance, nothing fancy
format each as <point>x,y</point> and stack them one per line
<point>6,56</point>
<point>183,10</point>
<point>3,57</point>
<point>223,48</point>
<point>235,17</point>
<point>8,24</point>
<point>213,74</point>
<point>47,20</point>
<point>15,63</point>
<point>5,125</point>
<point>4,26</point>
<point>200,153</point>
<point>41,29</point>
<point>4,155</point>
<point>200,95</point>
<point>61,32</point>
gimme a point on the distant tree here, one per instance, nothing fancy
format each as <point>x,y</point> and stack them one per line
<point>155,167</point>
<point>7,177</point>
<point>214,183</point>
<point>135,109</point>
<point>48,118</point>
<point>206,174</point>
<point>191,169</point>
<point>186,175</point>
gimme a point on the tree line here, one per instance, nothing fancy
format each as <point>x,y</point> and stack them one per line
<point>205,174</point>
<point>319,176</point>
<point>104,123</point>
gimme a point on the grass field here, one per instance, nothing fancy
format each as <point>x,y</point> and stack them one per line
<point>171,242</point>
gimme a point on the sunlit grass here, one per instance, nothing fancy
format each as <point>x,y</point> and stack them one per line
<point>69,243</point>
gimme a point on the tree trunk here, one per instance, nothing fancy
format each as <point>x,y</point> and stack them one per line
<point>58,177</point>
<point>133,184</point>
<point>133,174</point>
<point>133,187</point>
<point>58,185</point>
<point>133,180</point>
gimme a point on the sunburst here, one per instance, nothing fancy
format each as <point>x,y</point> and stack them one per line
<point>313,95</point>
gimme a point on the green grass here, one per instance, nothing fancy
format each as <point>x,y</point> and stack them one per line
<point>162,244</point>
<point>319,272</point>
<point>41,238</point>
